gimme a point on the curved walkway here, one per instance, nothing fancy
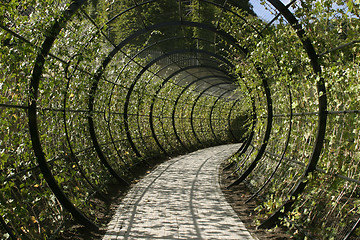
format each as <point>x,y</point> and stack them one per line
<point>180,199</point>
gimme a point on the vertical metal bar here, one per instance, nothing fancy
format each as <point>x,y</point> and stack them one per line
<point>267,132</point>
<point>140,102</point>
<point>249,138</point>
<point>229,120</point>
<point>174,112</point>
<point>282,155</point>
<point>174,86</point>
<point>151,116</point>
<point>72,156</point>
<point>211,112</point>
<point>322,120</point>
<point>116,49</point>
<point>226,107</point>
<point>92,133</point>
<point>126,118</point>
<point>193,108</point>
<point>54,30</point>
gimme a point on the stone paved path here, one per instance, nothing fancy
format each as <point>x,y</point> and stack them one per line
<point>180,199</point>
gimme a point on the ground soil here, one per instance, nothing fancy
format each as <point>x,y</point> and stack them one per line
<point>75,231</point>
<point>236,197</point>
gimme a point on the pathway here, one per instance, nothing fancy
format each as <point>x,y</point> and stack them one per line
<point>180,199</point>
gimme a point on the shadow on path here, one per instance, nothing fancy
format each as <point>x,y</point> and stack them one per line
<point>180,199</point>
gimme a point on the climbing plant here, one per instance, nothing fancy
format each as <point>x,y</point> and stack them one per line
<point>327,209</point>
<point>91,92</point>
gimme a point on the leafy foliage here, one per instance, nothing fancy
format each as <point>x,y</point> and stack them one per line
<point>161,78</point>
<point>180,115</point>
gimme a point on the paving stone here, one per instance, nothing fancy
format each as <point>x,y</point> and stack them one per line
<point>180,199</point>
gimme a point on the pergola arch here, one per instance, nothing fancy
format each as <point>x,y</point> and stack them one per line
<point>121,102</point>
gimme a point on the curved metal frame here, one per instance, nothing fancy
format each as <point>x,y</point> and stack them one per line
<point>72,155</point>
<point>32,114</point>
<point>300,186</point>
<point>211,112</point>
<point>37,73</point>
<point>193,108</point>
<point>266,138</point>
<point>282,155</point>
<point>177,100</point>
<point>123,43</point>
<point>229,120</point>
<point>168,79</point>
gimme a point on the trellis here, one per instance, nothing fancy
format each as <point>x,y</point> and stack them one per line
<point>82,108</point>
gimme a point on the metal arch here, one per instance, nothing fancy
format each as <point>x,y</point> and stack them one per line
<point>276,17</point>
<point>211,112</point>
<point>229,120</point>
<point>249,139</point>
<point>199,128</point>
<point>165,81</point>
<point>147,47</point>
<point>154,44</point>
<point>130,8</point>
<point>160,25</point>
<point>114,145</point>
<point>229,115</point>
<point>243,148</point>
<point>267,132</point>
<point>182,51</point>
<point>161,120</point>
<point>225,35</point>
<point>185,109</point>
<point>155,74</point>
<point>229,99</point>
<point>93,137</point>
<point>141,93</point>
<point>246,145</point>
<point>206,1</point>
<point>72,156</point>
<point>322,120</point>
<point>132,86</point>
<point>206,106</point>
<point>32,114</point>
<point>90,121</point>
<point>137,78</point>
<point>193,108</point>
<point>283,153</point>
<point>126,41</point>
<point>97,147</point>
<point>152,122</point>
<point>177,100</point>
<point>229,10</point>
<point>182,70</point>
<point>152,105</point>
<point>108,120</point>
<point>191,83</point>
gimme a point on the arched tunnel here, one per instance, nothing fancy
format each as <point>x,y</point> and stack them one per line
<point>95,93</point>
